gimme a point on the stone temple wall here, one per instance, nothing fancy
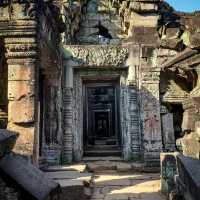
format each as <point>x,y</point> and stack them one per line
<point>158,33</point>
<point>34,74</point>
<point>48,59</point>
<point>97,49</point>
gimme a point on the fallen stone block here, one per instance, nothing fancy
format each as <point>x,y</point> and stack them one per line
<point>73,184</point>
<point>29,178</point>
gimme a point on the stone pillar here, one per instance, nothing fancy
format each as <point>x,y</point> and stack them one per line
<point>67,153</point>
<point>150,114</point>
<point>168,132</point>
<point>19,32</point>
<point>133,108</point>
<point>133,122</point>
<point>21,92</point>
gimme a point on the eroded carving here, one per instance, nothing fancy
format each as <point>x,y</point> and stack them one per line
<point>98,55</point>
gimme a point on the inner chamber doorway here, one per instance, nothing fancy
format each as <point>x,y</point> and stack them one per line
<point>101,119</point>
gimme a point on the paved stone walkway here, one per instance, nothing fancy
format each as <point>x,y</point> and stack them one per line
<point>106,180</point>
<point>126,186</point>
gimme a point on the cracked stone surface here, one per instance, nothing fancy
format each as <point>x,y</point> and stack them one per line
<point>111,185</point>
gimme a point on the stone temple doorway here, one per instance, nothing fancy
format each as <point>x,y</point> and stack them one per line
<point>101,119</point>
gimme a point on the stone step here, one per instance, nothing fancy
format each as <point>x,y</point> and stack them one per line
<point>143,167</point>
<point>106,141</point>
<point>97,158</point>
<point>73,190</point>
<point>101,166</point>
<point>74,184</point>
<point>120,166</point>
<point>117,166</point>
<point>75,167</point>
<point>60,175</point>
<point>104,147</point>
<point>103,153</point>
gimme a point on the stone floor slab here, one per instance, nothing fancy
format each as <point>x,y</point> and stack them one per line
<point>69,175</point>
<point>77,167</point>
<point>123,186</point>
<point>123,167</point>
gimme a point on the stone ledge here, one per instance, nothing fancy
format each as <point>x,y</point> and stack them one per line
<point>189,170</point>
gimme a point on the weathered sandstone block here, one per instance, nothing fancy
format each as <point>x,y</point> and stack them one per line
<point>20,89</point>
<point>21,111</point>
<point>144,20</point>
<point>144,35</point>
<point>24,144</point>
<point>143,7</point>
<point>20,72</point>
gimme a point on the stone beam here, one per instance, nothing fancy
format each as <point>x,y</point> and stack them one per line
<point>187,53</point>
<point>97,55</point>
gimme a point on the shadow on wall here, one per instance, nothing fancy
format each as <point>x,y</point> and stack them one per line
<point>3,88</point>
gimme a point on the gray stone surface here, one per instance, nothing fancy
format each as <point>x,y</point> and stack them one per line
<point>69,175</point>
<point>74,185</point>
<point>31,179</point>
<point>189,175</point>
<point>124,167</point>
<point>168,172</point>
<point>126,186</point>
<point>74,167</point>
<point>168,131</point>
<point>7,141</point>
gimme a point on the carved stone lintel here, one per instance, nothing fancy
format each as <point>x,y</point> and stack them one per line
<point>98,55</point>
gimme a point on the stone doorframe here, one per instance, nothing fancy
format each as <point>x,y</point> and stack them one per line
<point>96,74</point>
<point>80,75</point>
<point>113,130</point>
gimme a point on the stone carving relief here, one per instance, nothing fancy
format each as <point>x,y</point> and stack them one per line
<point>98,55</point>
<point>52,116</point>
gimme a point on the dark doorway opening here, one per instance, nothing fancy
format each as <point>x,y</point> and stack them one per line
<point>101,125</point>
<point>41,109</point>
<point>177,110</point>
<point>101,120</point>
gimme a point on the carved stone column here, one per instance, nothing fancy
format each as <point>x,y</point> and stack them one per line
<point>67,154</point>
<point>133,62</point>
<point>18,28</point>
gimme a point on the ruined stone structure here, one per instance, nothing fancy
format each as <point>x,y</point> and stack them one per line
<point>99,77</point>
